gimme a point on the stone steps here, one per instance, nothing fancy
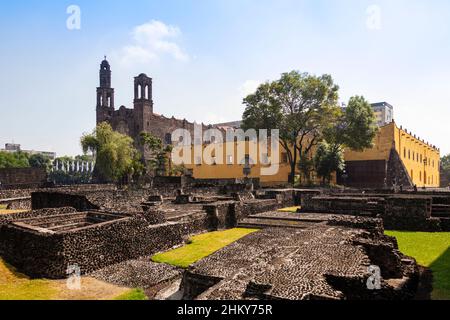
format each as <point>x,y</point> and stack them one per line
<point>445,224</point>
<point>441,210</point>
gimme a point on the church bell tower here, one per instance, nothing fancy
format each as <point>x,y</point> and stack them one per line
<point>105,94</point>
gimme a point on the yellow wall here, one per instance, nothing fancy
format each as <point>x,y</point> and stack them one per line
<point>388,137</point>
<point>232,171</point>
<point>412,151</point>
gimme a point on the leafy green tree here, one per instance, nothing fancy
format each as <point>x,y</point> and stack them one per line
<point>40,161</point>
<point>300,105</point>
<point>445,171</point>
<point>13,160</point>
<point>159,162</point>
<point>306,166</point>
<point>354,127</point>
<point>114,153</point>
<point>328,160</point>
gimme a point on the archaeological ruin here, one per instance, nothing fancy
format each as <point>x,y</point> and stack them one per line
<point>324,251</point>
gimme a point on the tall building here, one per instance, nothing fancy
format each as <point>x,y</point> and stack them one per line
<point>384,113</point>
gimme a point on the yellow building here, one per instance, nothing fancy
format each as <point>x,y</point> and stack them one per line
<point>232,164</point>
<point>398,157</point>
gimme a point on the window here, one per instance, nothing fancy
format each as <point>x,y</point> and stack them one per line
<point>265,159</point>
<point>420,176</point>
<point>229,159</point>
<point>409,154</point>
<point>284,157</point>
<point>404,153</point>
<point>168,138</point>
<point>247,159</point>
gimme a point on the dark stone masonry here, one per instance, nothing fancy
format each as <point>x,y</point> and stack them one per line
<point>325,251</point>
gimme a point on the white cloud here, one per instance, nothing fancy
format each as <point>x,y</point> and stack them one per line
<point>249,87</point>
<point>151,41</point>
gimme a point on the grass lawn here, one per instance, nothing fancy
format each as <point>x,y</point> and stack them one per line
<point>201,246</point>
<point>16,286</point>
<point>291,209</point>
<point>431,250</point>
<point>136,294</point>
<point>3,210</point>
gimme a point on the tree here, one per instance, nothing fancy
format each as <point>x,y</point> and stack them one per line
<point>159,154</point>
<point>114,153</point>
<point>13,160</point>
<point>328,160</point>
<point>353,128</point>
<point>40,161</point>
<point>445,171</point>
<point>299,105</point>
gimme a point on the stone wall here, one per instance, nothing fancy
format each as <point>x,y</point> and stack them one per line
<point>399,212</point>
<point>412,213</point>
<point>23,178</point>
<point>47,255</point>
<point>370,206</point>
<point>41,200</point>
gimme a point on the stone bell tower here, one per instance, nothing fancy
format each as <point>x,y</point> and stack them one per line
<point>105,94</point>
<point>143,103</point>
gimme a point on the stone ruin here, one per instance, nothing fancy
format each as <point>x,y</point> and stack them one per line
<point>321,260</point>
<point>410,212</point>
<point>329,246</point>
<point>95,229</point>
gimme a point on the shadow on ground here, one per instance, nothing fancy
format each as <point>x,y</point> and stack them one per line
<point>441,276</point>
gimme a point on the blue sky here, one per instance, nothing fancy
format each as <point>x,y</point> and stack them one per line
<point>205,55</point>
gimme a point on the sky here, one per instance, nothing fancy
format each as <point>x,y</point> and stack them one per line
<point>205,55</point>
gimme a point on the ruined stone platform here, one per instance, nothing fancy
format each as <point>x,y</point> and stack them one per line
<point>319,262</point>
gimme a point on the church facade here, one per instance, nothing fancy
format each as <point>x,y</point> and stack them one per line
<point>142,117</point>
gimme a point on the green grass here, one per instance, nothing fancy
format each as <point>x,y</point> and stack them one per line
<point>15,286</point>
<point>431,250</point>
<point>201,246</point>
<point>291,209</point>
<point>135,294</point>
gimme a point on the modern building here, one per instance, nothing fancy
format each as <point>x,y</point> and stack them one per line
<point>397,157</point>
<point>384,113</point>
<point>13,147</point>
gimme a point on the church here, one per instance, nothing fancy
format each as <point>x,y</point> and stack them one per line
<point>141,118</point>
